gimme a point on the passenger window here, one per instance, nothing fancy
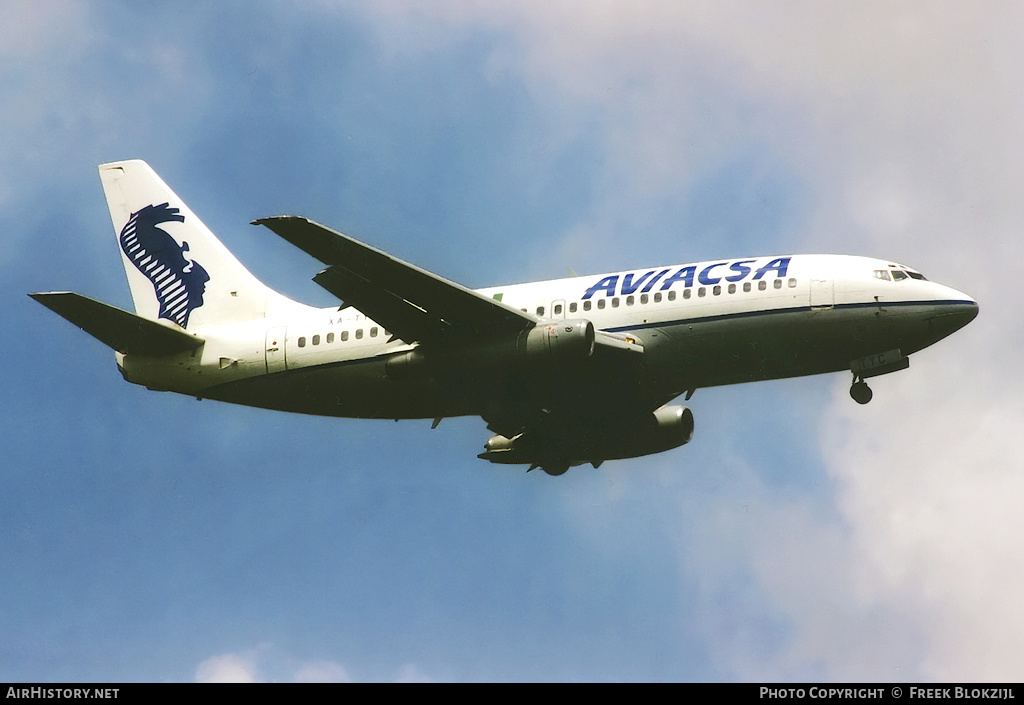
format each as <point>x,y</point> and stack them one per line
<point>615,302</point>
<point>344,335</point>
<point>717,290</point>
<point>540,310</point>
<point>762,285</point>
<point>359,333</point>
<point>316,340</point>
<point>373,332</point>
<point>732,288</point>
<point>643,299</point>
<point>702,292</point>
<point>600,303</point>
<point>558,309</point>
<point>778,283</point>
<point>657,298</point>
<point>629,300</point>
<point>330,338</point>
<point>672,294</point>
<point>586,305</point>
<point>572,307</point>
<point>302,342</point>
<point>746,286</point>
<point>792,283</point>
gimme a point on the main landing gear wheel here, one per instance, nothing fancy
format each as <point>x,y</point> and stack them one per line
<point>861,392</point>
<point>555,468</point>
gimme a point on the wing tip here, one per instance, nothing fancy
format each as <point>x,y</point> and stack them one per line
<point>274,219</point>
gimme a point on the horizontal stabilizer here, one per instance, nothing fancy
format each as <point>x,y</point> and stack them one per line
<point>120,330</point>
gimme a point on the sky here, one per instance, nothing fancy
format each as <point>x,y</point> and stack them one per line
<point>799,537</point>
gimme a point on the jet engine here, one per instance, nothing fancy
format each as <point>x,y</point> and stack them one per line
<point>667,428</point>
<point>562,340</point>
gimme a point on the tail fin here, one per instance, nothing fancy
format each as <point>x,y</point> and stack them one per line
<point>177,269</point>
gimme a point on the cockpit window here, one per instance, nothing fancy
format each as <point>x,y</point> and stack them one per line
<point>897,273</point>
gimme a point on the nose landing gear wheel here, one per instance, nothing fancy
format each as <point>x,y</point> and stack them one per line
<point>861,392</point>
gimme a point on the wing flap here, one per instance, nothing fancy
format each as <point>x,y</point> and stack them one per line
<point>406,320</point>
<point>615,341</point>
<point>415,304</point>
<point>120,330</point>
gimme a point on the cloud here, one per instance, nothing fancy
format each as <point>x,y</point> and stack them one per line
<point>228,668</point>
<point>931,480</point>
<point>322,672</point>
<point>254,666</point>
<point>904,124</point>
<point>411,673</point>
<point>894,129</point>
<point>33,28</point>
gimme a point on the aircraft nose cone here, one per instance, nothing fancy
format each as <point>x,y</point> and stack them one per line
<point>966,308</point>
<point>967,312</point>
<point>954,316</point>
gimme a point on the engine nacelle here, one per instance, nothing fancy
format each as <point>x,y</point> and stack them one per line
<point>558,340</point>
<point>672,427</point>
<point>667,428</point>
<point>409,365</point>
<point>545,343</point>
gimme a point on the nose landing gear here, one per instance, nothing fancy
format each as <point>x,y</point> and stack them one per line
<point>860,391</point>
<point>873,366</point>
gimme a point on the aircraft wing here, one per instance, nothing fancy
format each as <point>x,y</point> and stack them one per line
<point>412,303</point>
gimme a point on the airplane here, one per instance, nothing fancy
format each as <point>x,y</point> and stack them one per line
<point>564,372</point>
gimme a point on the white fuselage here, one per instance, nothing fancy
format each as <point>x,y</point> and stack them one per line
<point>700,325</point>
<point>563,372</point>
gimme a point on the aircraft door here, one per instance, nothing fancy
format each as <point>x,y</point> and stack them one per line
<point>276,361</point>
<point>822,293</point>
<point>558,309</point>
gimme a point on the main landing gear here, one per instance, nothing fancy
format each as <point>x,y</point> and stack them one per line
<point>860,391</point>
<point>553,467</point>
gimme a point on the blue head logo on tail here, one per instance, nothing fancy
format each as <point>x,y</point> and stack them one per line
<point>179,283</point>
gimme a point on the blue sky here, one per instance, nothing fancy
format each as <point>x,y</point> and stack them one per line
<point>151,537</point>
